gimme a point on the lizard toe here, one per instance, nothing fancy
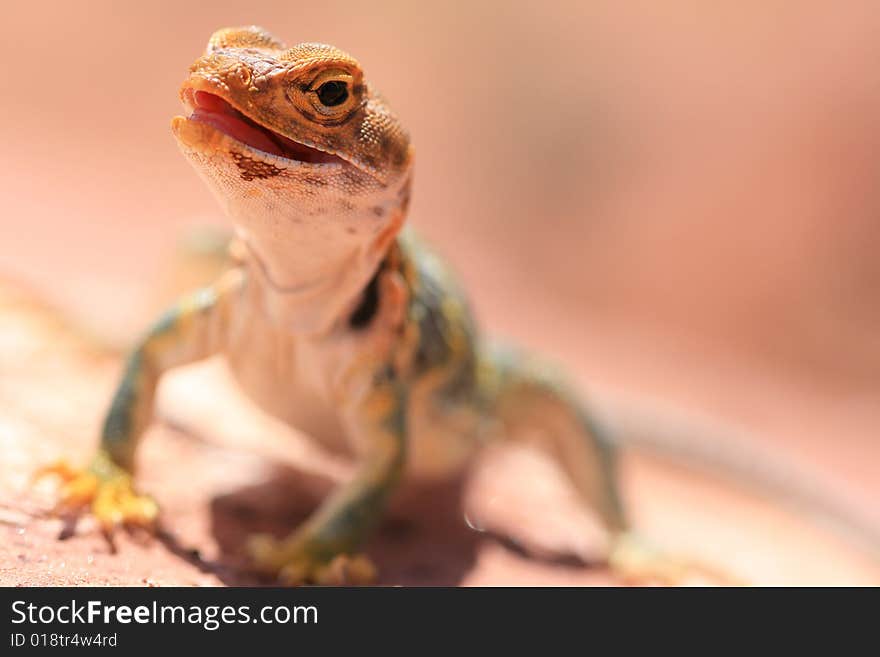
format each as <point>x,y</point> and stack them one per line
<point>112,500</point>
<point>295,564</point>
<point>636,562</point>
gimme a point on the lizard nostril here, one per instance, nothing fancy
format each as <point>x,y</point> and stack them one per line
<point>242,75</point>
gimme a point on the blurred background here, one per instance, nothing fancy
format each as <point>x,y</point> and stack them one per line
<point>679,200</point>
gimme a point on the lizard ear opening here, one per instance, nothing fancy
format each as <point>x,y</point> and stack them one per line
<point>251,36</point>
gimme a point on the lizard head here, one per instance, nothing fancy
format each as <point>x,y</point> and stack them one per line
<point>303,154</point>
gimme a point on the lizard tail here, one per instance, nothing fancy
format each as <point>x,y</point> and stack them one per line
<point>698,444</point>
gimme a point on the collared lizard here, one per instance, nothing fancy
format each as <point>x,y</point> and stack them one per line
<point>333,303</point>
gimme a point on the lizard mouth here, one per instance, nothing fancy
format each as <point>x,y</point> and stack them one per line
<point>216,112</point>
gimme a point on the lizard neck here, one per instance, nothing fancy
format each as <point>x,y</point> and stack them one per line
<point>319,303</point>
<point>312,275</point>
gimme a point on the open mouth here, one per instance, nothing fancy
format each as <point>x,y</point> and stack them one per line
<point>215,111</point>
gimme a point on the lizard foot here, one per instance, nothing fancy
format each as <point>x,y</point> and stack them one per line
<point>296,562</point>
<point>107,489</point>
<point>636,562</point>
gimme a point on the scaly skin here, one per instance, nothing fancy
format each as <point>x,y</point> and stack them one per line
<point>332,306</point>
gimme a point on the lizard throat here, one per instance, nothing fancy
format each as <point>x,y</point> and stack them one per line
<point>306,289</point>
<point>213,110</point>
<point>313,302</point>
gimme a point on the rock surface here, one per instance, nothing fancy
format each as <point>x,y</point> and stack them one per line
<point>221,470</point>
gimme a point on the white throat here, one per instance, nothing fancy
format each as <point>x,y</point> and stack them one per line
<point>313,239</point>
<point>306,294</point>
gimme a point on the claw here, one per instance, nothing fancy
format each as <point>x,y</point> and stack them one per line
<point>263,550</point>
<point>116,503</point>
<point>112,498</point>
<point>78,488</point>
<point>346,570</point>
<point>296,565</point>
<point>637,563</point>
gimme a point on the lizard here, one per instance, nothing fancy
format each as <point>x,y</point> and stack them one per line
<point>334,303</point>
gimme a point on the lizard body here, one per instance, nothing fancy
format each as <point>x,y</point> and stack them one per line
<point>332,304</point>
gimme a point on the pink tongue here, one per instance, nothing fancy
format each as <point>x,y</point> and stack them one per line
<point>218,113</point>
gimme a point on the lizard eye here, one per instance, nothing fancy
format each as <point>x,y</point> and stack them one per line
<point>333,93</point>
<point>330,97</point>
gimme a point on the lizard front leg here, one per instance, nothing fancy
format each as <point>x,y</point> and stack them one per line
<point>193,329</point>
<point>324,549</point>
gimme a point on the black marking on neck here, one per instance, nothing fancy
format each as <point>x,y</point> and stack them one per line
<point>366,309</point>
